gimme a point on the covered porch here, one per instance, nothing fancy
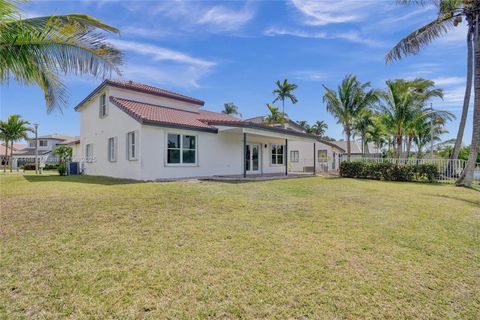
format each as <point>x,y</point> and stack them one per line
<point>266,153</point>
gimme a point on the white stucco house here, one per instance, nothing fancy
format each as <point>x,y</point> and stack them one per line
<point>136,131</point>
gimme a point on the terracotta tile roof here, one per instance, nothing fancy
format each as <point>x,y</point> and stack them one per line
<point>151,113</point>
<point>16,147</point>
<point>139,87</point>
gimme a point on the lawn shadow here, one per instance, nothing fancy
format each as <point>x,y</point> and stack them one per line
<point>472,202</point>
<point>106,181</point>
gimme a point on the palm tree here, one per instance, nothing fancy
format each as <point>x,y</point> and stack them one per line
<point>319,128</point>
<point>4,137</point>
<point>304,124</point>
<point>404,101</point>
<point>231,109</point>
<point>450,14</point>
<point>283,91</point>
<point>346,104</point>
<point>14,129</point>
<point>39,50</point>
<point>275,116</point>
<point>362,125</point>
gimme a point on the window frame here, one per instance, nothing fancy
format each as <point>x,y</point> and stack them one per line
<point>112,149</point>
<point>102,105</point>
<point>40,143</point>
<point>325,151</point>
<point>276,154</point>
<point>294,156</point>
<point>181,149</point>
<point>89,155</point>
<point>132,143</point>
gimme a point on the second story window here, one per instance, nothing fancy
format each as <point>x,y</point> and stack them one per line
<point>42,143</point>
<point>103,106</point>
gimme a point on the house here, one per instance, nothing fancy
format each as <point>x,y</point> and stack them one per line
<point>3,152</point>
<point>356,149</point>
<point>327,155</point>
<point>131,130</point>
<point>46,145</point>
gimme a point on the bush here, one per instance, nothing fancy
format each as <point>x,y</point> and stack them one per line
<point>62,170</point>
<point>28,166</point>
<point>50,166</point>
<point>389,171</point>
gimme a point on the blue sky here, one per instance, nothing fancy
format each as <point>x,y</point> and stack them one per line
<point>235,51</point>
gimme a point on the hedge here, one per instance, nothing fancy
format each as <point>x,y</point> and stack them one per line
<point>389,171</point>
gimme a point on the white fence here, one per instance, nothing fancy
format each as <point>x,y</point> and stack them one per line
<point>449,170</point>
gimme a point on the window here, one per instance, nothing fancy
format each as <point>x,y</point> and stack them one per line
<point>89,152</point>
<point>103,105</point>
<point>181,149</point>
<point>32,144</point>
<point>334,161</point>
<point>132,145</point>
<point>294,156</point>
<point>277,154</point>
<point>322,155</point>
<point>42,143</point>
<point>112,149</point>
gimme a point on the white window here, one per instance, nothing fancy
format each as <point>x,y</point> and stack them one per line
<point>322,155</point>
<point>132,145</point>
<point>103,105</point>
<point>294,156</point>
<point>112,149</point>
<point>89,152</point>
<point>42,143</point>
<point>277,154</point>
<point>181,149</point>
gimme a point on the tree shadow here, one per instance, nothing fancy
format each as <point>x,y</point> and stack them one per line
<point>106,181</point>
<point>472,202</point>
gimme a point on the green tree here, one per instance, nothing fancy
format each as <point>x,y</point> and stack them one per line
<point>285,91</point>
<point>450,14</point>
<point>348,102</point>
<point>362,124</point>
<point>304,124</point>
<point>64,154</point>
<point>231,109</point>
<point>13,130</point>
<point>319,128</point>
<point>275,116</point>
<point>39,50</point>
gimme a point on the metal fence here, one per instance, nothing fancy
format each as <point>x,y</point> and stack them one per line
<point>449,170</point>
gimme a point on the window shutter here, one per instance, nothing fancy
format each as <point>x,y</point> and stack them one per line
<point>115,149</point>
<point>137,145</point>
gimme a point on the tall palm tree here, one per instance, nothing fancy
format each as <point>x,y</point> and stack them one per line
<point>319,128</point>
<point>404,101</point>
<point>4,137</point>
<point>304,124</point>
<point>362,125</point>
<point>348,102</point>
<point>376,133</point>
<point>275,116</point>
<point>450,14</point>
<point>231,109</point>
<point>285,91</point>
<point>14,129</point>
<point>40,50</point>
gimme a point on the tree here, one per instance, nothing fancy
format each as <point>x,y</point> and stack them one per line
<point>319,128</point>
<point>13,130</point>
<point>348,102</point>
<point>362,124</point>
<point>275,116</point>
<point>450,14</point>
<point>304,124</point>
<point>41,49</point>
<point>283,91</point>
<point>64,154</point>
<point>231,109</point>
<point>4,137</point>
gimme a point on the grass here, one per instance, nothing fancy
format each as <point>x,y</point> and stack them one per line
<point>316,248</point>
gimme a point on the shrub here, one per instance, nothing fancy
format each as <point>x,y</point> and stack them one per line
<point>50,166</point>
<point>28,166</point>
<point>389,171</point>
<point>62,170</point>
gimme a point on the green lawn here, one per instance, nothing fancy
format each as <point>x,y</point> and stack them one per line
<point>312,248</point>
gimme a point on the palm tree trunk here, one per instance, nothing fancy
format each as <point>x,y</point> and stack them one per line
<point>466,178</point>
<point>11,155</point>
<point>348,134</point>
<point>409,146</point>
<point>466,99</point>
<point>6,156</point>
<point>399,146</point>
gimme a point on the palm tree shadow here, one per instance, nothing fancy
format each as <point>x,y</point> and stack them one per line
<point>106,181</point>
<point>472,202</point>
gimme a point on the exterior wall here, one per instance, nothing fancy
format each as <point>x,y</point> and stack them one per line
<point>96,130</point>
<point>305,150</point>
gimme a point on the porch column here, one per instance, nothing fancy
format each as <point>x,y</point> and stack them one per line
<point>314,160</point>
<point>244,155</point>
<point>286,157</point>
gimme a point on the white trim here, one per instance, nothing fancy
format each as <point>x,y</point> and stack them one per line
<point>181,164</point>
<point>271,154</point>
<point>135,145</point>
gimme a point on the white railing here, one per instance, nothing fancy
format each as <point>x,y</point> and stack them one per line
<point>449,170</point>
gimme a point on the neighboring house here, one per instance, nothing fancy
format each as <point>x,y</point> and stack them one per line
<point>136,131</point>
<point>4,157</point>
<point>301,157</point>
<point>46,145</point>
<point>371,149</point>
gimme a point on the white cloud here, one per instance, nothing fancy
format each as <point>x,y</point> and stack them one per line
<point>310,75</point>
<point>178,76</point>
<point>445,81</point>
<point>226,18</point>
<point>351,36</point>
<point>157,53</point>
<point>319,13</point>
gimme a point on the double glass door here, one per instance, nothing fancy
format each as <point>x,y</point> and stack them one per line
<point>252,158</point>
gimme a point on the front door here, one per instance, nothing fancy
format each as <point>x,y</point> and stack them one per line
<point>252,158</point>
